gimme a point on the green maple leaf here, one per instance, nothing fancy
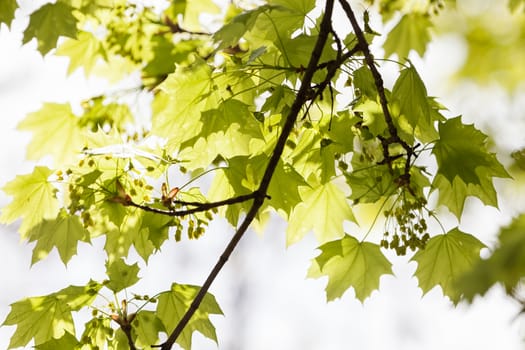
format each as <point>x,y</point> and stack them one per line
<point>453,195</point>
<point>191,10</point>
<point>7,11</point>
<point>97,332</point>
<point>48,23</point>
<point>506,265</point>
<point>324,208</point>
<point>67,341</point>
<point>84,51</point>
<point>40,318</point>
<point>34,199</point>
<point>121,275</point>
<point>411,94</point>
<point>445,259</point>
<point>177,114</point>
<point>146,328</point>
<point>411,33</point>
<point>462,151</point>
<point>56,132</point>
<point>173,304</point>
<point>64,232</point>
<point>350,263</point>
<point>364,81</point>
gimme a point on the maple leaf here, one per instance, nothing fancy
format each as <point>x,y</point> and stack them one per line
<point>461,151</point>
<point>410,33</point>
<point>146,328</point>
<point>350,263</point>
<point>445,258</point>
<point>48,23</point>
<point>324,208</point>
<point>64,232</point>
<point>97,331</point>
<point>83,51</point>
<point>506,265</point>
<point>34,199</point>
<point>7,11</point>
<point>174,303</point>
<point>411,94</point>
<point>121,275</point>
<point>56,132</point>
<point>67,341</point>
<point>177,111</point>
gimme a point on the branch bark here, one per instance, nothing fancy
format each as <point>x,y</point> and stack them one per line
<point>300,100</point>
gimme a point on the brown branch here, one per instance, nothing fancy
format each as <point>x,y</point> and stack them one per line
<point>295,109</point>
<point>378,80</point>
<point>198,205</point>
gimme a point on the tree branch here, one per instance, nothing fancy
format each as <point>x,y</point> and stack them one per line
<point>300,99</point>
<point>378,80</point>
<point>198,205</point>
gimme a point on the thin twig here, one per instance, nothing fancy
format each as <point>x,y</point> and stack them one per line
<point>199,207</point>
<point>295,109</point>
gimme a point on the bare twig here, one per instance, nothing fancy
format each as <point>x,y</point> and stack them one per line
<point>260,193</point>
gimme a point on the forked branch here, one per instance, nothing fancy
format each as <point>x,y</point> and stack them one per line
<point>300,99</point>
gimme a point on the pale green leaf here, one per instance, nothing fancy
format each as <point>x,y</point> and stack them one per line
<point>323,209</point>
<point>411,33</point>
<point>121,275</point>
<point>350,263</point>
<point>67,341</point>
<point>411,94</point>
<point>50,22</point>
<point>177,111</point>
<point>64,232</point>
<point>446,258</point>
<point>34,199</point>
<point>97,332</point>
<point>84,51</point>
<point>174,303</point>
<point>39,318</point>
<point>146,328</point>
<point>56,132</point>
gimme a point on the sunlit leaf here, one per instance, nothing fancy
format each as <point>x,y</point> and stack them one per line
<point>121,275</point>
<point>446,258</point>
<point>410,33</point>
<point>7,11</point>
<point>350,263</point>
<point>323,209</point>
<point>50,22</point>
<point>64,232</point>
<point>174,303</point>
<point>83,51</point>
<point>56,132</point>
<point>34,199</point>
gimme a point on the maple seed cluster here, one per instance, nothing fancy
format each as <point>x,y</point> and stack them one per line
<point>410,230</point>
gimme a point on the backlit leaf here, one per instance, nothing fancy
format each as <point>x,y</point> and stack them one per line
<point>34,199</point>
<point>121,275</point>
<point>350,263</point>
<point>56,132</point>
<point>83,51</point>
<point>7,11</point>
<point>50,22</point>
<point>411,33</point>
<point>323,209</point>
<point>411,94</point>
<point>462,151</point>
<point>174,303</point>
<point>446,258</point>
<point>67,341</point>
<point>64,232</point>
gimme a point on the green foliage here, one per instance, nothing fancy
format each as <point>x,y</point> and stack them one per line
<point>50,22</point>
<point>244,121</point>
<point>350,263</point>
<point>444,260</point>
<point>173,304</point>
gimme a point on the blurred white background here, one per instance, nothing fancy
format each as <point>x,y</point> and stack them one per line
<point>267,301</point>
